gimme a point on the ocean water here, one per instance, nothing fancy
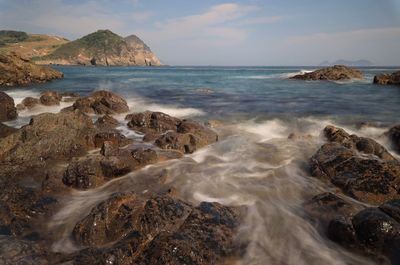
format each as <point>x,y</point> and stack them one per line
<point>254,163</point>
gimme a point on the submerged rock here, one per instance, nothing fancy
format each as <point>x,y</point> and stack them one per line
<point>361,167</point>
<point>388,79</point>
<point>171,133</point>
<point>7,108</point>
<point>337,72</point>
<point>16,70</point>
<point>102,102</point>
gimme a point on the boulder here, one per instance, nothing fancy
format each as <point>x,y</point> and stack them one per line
<point>394,135</point>
<point>110,136</point>
<point>101,102</point>
<point>106,122</point>
<point>48,137</point>
<point>159,230</point>
<point>50,98</point>
<point>8,111</point>
<point>387,79</point>
<point>28,103</point>
<point>16,70</point>
<point>361,167</point>
<point>168,132</point>
<point>337,72</point>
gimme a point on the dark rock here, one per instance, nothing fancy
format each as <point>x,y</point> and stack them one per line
<point>360,166</point>
<point>83,174</point>
<point>392,208</point>
<point>171,133</point>
<point>50,98</point>
<point>16,70</point>
<point>341,230</point>
<point>102,102</point>
<point>7,107</point>
<point>6,130</point>
<point>337,72</point>
<point>394,135</point>
<point>388,79</point>
<point>109,149</point>
<point>106,122</point>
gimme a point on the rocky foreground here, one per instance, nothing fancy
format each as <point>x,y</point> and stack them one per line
<point>55,154</point>
<point>16,70</point>
<point>80,149</point>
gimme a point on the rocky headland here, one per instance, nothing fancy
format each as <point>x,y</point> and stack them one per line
<point>17,70</point>
<point>334,73</point>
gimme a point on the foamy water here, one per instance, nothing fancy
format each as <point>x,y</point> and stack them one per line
<point>254,163</point>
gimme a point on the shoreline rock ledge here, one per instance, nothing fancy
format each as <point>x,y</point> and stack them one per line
<point>16,70</point>
<point>387,79</point>
<point>334,73</point>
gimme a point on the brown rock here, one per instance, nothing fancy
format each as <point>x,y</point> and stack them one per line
<point>7,107</point>
<point>361,167</point>
<point>102,102</point>
<point>388,79</point>
<point>337,72</point>
<point>106,122</point>
<point>6,130</point>
<point>28,103</point>
<point>16,70</point>
<point>50,98</point>
<point>394,135</point>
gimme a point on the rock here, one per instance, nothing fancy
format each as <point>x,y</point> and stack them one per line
<point>392,208</point>
<point>50,98</point>
<point>361,167</point>
<point>101,102</point>
<point>106,122</point>
<point>8,111</point>
<point>144,156</point>
<point>159,230</point>
<point>48,137</point>
<point>109,149</point>
<point>83,174</point>
<point>110,136</point>
<point>28,103</point>
<point>388,79</point>
<point>16,70</point>
<point>6,130</point>
<point>337,72</point>
<point>394,136</point>
<point>171,133</point>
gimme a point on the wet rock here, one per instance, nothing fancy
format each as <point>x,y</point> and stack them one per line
<point>337,72</point>
<point>50,98</point>
<point>361,167</point>
<point>171,133</point>
<point>341,231</point>
<point>392,208</point>
<point>106,122</point>
<point>110,136</point>
<point>160,230</point>
<point>152,122</point>
<point>394,135</point>
<point>17,70</point>
<point>28,103</point>
<point>7,108</point>
<point>48,137</point>
<point>144,156</point>
<point>101,102</point>
<point>388,79</point>
<point>83,174</point>
<point>6,130</point>
<point>109,149</point>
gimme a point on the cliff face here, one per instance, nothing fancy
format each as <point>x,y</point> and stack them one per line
<point>103,48</point>
<point>17,70</point>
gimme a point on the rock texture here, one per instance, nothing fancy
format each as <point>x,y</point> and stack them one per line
<point>7,108</point>
<point>101,102</point>
<point>16,70</point>
<point>388,79</point>
<point>394,135</point>
<point>361,167</point>
<point>171,133</point>
<point>337,72</point>
<point>103,48</point>
<point>158,230</point>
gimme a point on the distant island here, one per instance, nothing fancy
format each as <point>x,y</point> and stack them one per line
<point>102,47</point>
<point>348,63</point>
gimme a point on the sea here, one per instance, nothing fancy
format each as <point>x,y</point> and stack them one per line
<point>269,126</point>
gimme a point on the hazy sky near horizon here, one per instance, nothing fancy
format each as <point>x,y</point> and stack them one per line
<point>213,32</point>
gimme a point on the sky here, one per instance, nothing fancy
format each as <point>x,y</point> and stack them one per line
<point>213,32</point>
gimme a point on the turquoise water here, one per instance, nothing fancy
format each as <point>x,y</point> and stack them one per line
<point>247,92</point>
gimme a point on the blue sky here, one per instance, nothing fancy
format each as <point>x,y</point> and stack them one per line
<point>210,32</point>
